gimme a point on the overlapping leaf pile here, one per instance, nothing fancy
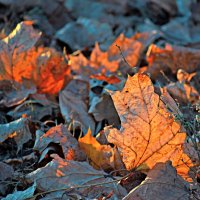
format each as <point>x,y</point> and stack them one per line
<point>76,127</point>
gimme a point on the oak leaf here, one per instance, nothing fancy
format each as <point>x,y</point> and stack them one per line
<point>148,132</point>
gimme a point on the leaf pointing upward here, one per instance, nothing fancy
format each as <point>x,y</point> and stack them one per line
<point>148,133</point>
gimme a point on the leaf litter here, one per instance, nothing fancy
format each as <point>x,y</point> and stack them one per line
<point>112,115</point>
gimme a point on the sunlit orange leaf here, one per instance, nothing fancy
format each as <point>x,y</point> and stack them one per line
<point>101,156</point>
<point>20,59</point>
<point>109,62</point>
<point>173,58</point>
<point>20,40</point>
<point>148,132</point>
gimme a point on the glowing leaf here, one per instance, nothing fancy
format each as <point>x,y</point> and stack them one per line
<point>102,156</point>
<point>148,132</point>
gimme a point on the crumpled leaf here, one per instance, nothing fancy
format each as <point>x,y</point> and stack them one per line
<point>148,132</point>
<point>77,178</point>
<point>22,195</point>
<point>90,29</point>
<point>183,89</point>
<point>162,182</point>
<point>18,130</point>
<point>13,93</point>
<point>101,156</point>
<point>173,58</point>
<point>73,101</point>
<point>6,172</point>
<point>60,135</point>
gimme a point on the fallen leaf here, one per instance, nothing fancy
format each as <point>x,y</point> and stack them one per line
<point>162,183</point>
<point>13,93</point>
<point>18,130</point>
<point>20,40</point>
<point>90,29</point>
<point>148,132</point>
<point>171,58</point>
<point>72,177</point>
<point>101,156</point>
<point>183,90</point>
<point>60,135</point>
<point>22,195</point>
<point>73,101</point>
<point>109,62</point>
<point>20,59</point>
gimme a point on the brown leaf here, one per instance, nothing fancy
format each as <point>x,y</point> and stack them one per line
<point>60,135</point>
<point>77,178</point>
<point>18,130</point>
<point>162,183</point>
<point>173,58</point>
<point>73,104</point>
<point>148,132</point>
<point>183,89</point>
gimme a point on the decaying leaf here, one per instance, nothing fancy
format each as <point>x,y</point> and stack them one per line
<point>173,58</point>
<point>73,101</point>
<point>69,177</point>
<point>183,90</point>
<point>162,183</point>
<point>18,130</point>
<point>60,135</point>
<point>13,93</point>
<point>148,132</point>
<point>101,156</point>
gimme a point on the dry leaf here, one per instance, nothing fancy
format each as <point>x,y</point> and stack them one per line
<point>77,178</point>
<point>105,63</point>
<point>183,89</point>
<point>162,183</point>
<point>148,132</point>
<point>173,58</point>
<point>60,135</point>
<point>73,101</point>
<point>20,59</point>
<point>101,156</point>
<point>18,130</point>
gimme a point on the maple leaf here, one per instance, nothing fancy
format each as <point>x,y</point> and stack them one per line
<point>102,64</point>
<point>102,156</point>
<point>148,132</point>
<point>20,59</point>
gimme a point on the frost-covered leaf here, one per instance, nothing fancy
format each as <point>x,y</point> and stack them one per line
<point>18,130</point>
<point>72,177</point>
<point>22,195</point>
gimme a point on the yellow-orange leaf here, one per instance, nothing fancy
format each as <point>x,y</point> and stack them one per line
<point>148,132</point>
<point>101,156</point>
